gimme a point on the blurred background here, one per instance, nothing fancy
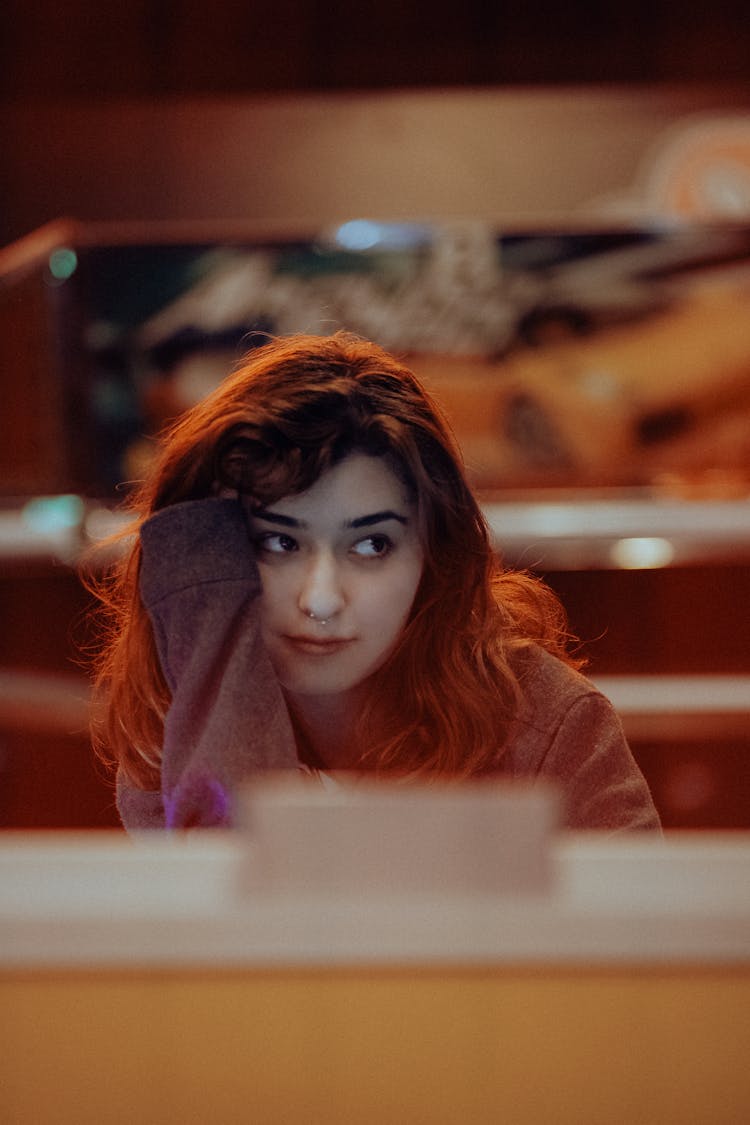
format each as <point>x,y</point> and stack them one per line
<point>546,210</point>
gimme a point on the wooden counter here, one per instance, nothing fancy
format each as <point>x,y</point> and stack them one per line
<point>139,984</point>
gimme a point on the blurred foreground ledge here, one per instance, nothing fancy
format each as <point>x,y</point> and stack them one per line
<point>101,899</point>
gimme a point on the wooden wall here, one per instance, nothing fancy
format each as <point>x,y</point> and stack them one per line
<point>302,160</point>
<point>307,110</point>
<point>178,47</point>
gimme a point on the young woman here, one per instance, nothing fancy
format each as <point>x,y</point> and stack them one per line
<point>311,586</point>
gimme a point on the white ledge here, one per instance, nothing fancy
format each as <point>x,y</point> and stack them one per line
<point>104,900</point>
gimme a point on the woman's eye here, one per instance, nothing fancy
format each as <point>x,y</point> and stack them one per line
<point>276,543</point>
<point>373,547</point>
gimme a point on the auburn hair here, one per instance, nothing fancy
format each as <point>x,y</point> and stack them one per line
<point>295,407</point>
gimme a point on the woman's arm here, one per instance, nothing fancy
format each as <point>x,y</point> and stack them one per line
<point>227,718</point>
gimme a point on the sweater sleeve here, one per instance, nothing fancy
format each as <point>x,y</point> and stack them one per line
<point>227,718</point>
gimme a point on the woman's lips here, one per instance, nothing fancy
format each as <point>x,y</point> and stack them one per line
<point>316,646</point>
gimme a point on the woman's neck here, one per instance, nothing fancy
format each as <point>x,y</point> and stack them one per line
<point>326,726</point>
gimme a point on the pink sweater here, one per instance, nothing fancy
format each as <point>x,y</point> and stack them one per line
<point>228,719</point>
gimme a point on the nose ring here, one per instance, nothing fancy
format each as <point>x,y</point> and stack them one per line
<point>317,620</point>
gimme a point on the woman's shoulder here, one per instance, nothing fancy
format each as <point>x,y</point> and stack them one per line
<point>549,687</point>
<point>567,730</point>
<point>555,702</point>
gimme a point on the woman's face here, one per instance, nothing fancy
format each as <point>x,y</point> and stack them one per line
<point>340,565</point>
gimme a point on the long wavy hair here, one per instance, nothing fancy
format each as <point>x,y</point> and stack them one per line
<point>294,408</point>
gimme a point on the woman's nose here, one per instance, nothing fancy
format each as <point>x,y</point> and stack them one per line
<point>321,596</point>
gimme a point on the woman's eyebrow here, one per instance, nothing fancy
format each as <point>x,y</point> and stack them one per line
<point>276,517</point>
<point>376,517</point>
<point>360,521</point>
